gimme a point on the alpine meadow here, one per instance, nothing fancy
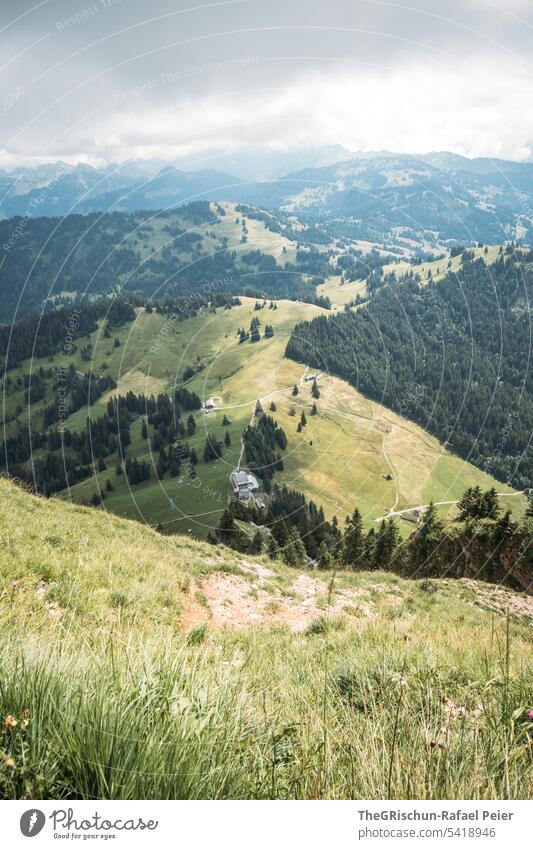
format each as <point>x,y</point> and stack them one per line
<point>266,464</point>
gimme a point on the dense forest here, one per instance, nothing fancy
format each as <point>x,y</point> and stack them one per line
<point>43,451</point>
<point>53,262</point>
<point>56,458</point>
<point>452,356</point>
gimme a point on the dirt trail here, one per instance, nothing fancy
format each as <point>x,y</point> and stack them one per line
<point>438,504</point>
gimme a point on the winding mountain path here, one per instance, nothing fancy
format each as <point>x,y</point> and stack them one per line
<point>438,504</point>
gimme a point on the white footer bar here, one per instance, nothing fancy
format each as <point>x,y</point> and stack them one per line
<point>267,825</point>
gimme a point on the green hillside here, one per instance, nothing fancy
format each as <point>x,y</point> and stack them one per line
<point>352,452</point>
<point>135,665</point>
<point>201,247</point>
<point>451,352</point>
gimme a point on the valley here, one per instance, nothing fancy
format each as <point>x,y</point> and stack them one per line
<point>341,459</point>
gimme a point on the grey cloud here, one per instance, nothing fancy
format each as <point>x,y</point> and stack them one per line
<point>105,79</point>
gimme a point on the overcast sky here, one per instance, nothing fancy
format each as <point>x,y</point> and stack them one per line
<point>114,79</point>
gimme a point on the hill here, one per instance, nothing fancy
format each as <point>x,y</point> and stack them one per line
<point>450,353</point>
<point>352,452</point>
<point>431,200</point>
<point>435,198</point>
<point>140,666</point>
<point>199,249</point>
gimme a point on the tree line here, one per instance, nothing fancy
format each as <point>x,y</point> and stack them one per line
<point>484,542</point>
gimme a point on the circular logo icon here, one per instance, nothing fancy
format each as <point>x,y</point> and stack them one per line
<point>32,822</point>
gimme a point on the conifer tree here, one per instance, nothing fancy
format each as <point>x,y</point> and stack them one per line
<point>353,540</point>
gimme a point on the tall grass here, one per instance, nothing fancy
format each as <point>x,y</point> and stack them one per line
<point>102,695</point>
<point>253,715</point>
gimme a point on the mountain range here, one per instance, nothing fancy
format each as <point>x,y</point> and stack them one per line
<point>436,198</point>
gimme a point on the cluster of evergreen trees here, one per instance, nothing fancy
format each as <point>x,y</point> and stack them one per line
<point>296,529</point>
<point>253,334</point>
<point>262,444</point>
<point>69,456</point>
<point>484,542</point>
<point>45,335</point>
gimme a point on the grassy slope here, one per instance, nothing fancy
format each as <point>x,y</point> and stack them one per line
<point>153,236</point>
<point>123,704</point>
<point>354,442</point>
<point>437,268</point>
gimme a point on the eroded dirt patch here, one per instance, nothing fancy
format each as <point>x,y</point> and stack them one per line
<point>231,600</point>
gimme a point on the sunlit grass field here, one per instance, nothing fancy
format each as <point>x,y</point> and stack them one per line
<point>340,460</point>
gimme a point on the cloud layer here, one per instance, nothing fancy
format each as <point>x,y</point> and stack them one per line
<point>107,81</point>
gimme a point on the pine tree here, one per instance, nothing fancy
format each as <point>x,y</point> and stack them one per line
<point>369,548</point>
<point>256,546</point>
<point>272,548</point>
<point>353,541</point>
<point>227,529</point>
<point>314,409</point>
<point>490,507</point>
<point>191,425</point>
<point>212,449</point>
<point>272,407</point>
<point>386,544</point>
<point>227,439</point>
<point>315,391</point>
<point>295,390</point>
<point>294,553</point>
<point>324,556</point>
<point>503,529</point>
<point>144,430</point>
<point>424,545</point>
<point>254,330</point>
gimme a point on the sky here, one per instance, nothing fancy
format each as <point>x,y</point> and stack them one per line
<point>102,81</point>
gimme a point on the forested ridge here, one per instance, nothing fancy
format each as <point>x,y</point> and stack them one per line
<point>52,262</point>
<point>452,356</point>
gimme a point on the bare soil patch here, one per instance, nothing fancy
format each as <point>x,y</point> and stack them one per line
<point>230,600</point>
